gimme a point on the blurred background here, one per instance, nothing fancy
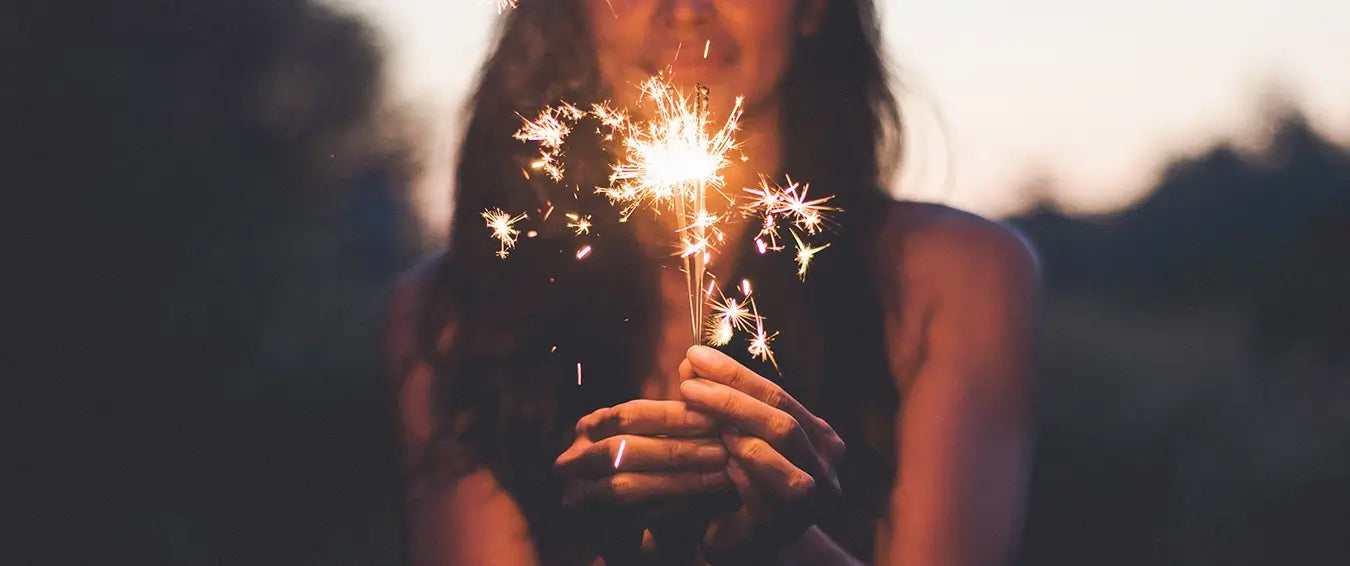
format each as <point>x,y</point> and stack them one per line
<point>208,202</point>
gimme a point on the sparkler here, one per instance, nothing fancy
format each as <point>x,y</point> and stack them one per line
<point>673,160</point>
<point>669,163</point>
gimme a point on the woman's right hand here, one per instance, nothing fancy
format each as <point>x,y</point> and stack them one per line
<point>628,459</point>
<point>640,452</point>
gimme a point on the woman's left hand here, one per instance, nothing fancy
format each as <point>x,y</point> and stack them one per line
<point>782,457</point>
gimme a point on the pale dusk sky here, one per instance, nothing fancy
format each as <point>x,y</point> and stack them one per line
<point>1094,95</point>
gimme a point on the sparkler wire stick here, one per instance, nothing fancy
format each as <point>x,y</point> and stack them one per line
<point>701,228</point>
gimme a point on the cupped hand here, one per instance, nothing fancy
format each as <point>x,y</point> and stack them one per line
<point>628,460</point>
<point>641,451</point>
<point>782,457</point>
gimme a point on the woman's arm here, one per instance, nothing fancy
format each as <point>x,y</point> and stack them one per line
<point>964,427</point>
<point>815,548</point>
<point>469,520</point>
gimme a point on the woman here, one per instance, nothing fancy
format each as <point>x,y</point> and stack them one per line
<point>895,427</point>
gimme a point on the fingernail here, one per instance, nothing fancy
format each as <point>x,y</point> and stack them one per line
<point>702,355</point>
<point>711,452</point>
<point>694,386</point>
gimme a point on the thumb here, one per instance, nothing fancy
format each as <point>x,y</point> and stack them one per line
<point>711,363</point>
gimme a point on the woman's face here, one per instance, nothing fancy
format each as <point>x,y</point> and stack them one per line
<point>747,44</point>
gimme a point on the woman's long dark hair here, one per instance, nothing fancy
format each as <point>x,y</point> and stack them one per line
<point>506,393</point>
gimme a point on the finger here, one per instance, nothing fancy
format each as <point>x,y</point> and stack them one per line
<point>630,488</point>
<point>768,469</point>
<point>750,493</point>
<point>643,453</point>
<point>738,525</point>
<point>713,365</point>
<point>774,472</point>
<point>748,414</point>
<point>646,417</point>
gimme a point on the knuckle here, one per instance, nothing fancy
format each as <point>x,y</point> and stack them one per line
<point>736,377</point>
<point>609,448</point>
<point>801,485</point>
<point>676,451</point>
<point>782,428</point>
<point>586,423</point>
<point>754,449</point>
<point>622,488</point>
<point>776,398</point>
<point>729,404</point>
<point>623,417</point>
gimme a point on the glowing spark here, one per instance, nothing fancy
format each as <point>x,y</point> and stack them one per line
<point>623,443</point>
<point>804,255</point>
<point>759,343</point>
<point>807,213</point>
<point>581,224</point>
<point>721,333</point>
<point>578,374</point>
<point>609,117</point>
<point>771,201</point>
<point>549,130</point>
<point>667,164</point>
<point>732,311</point>
<point>693,247</point>
<point>502,225</point>
<point>532,234</point>
<point>703,220</point>
<point>729,315</point>
<point>706,45</point>
<point>667,158</point>
<point>554,349</point>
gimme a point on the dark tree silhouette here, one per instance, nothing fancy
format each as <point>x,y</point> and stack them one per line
<point>213,208</point>
<point>1258,230</point>
<point>1153,453</point>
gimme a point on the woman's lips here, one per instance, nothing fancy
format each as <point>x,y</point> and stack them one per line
<point>689,58</point>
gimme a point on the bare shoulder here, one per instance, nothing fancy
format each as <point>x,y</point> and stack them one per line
<point>410,376</point>
<point>939,250</point>
<point>411,287</point>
